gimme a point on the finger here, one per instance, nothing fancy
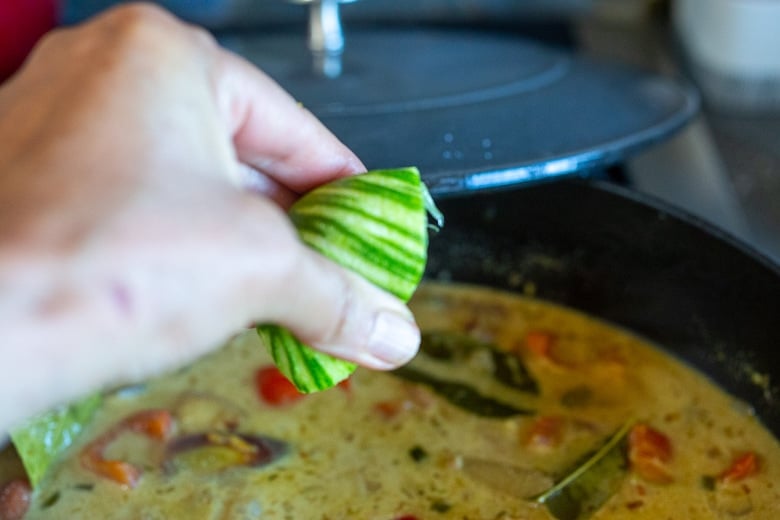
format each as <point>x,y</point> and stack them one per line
<point>261,184</point>
<point>340,313</point>
<point>274,134</point>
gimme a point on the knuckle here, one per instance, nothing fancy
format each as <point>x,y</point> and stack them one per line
<point>201,37</point>
<point>140,13</point>
<point>145,36</point>
<point>53,41</point>
<point>147,20</point>
<point>139,23</point>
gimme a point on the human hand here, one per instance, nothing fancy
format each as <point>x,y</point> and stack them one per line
<point>136,231</point>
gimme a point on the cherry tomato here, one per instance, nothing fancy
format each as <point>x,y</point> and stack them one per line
<point>649,452</point>
<point>742,467</point>
<point>275,389</point>
<point>540,342</point>
<point>345,385</point>
<point>388,409</point>
<point>546,432</point>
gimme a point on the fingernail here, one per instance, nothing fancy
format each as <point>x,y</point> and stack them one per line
<point>394,339</point>
<point>355,166</point>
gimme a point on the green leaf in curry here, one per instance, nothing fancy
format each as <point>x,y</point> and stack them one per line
<point>505,367</point>
<point>462,395</point>
<point>590,484</point>
<point>474,375</point>
<point>375,224</point>
<point>40,441</point>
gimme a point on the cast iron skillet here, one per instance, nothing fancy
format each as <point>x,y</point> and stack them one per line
<point>630,260</point>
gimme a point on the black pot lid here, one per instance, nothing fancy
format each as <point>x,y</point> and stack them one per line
<point>475,110</point>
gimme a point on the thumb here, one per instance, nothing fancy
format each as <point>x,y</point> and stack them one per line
<point>340,313</point>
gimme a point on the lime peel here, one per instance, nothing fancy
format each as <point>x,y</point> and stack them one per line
<point>375,224</point>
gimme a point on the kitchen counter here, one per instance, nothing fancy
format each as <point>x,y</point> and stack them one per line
<point>724,167</point>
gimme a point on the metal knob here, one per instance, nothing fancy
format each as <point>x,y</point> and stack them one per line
<point>326,36</point>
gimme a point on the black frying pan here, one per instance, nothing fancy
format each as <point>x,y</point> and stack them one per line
<point>629,260</point>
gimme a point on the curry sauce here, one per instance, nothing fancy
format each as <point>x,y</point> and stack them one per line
<point>514,409</point>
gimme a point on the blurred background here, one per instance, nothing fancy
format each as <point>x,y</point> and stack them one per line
<point>719,160</point>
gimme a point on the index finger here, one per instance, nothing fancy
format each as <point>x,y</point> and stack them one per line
<point>274,134</point>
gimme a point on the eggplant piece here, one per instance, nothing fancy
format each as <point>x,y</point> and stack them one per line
<point>213,452</point>
<point>513,480</point>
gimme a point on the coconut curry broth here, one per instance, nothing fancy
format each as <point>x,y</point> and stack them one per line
<point>508,397</point>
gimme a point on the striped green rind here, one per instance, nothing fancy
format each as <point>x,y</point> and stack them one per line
<point>301,363</point>
<point>375,224</point>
